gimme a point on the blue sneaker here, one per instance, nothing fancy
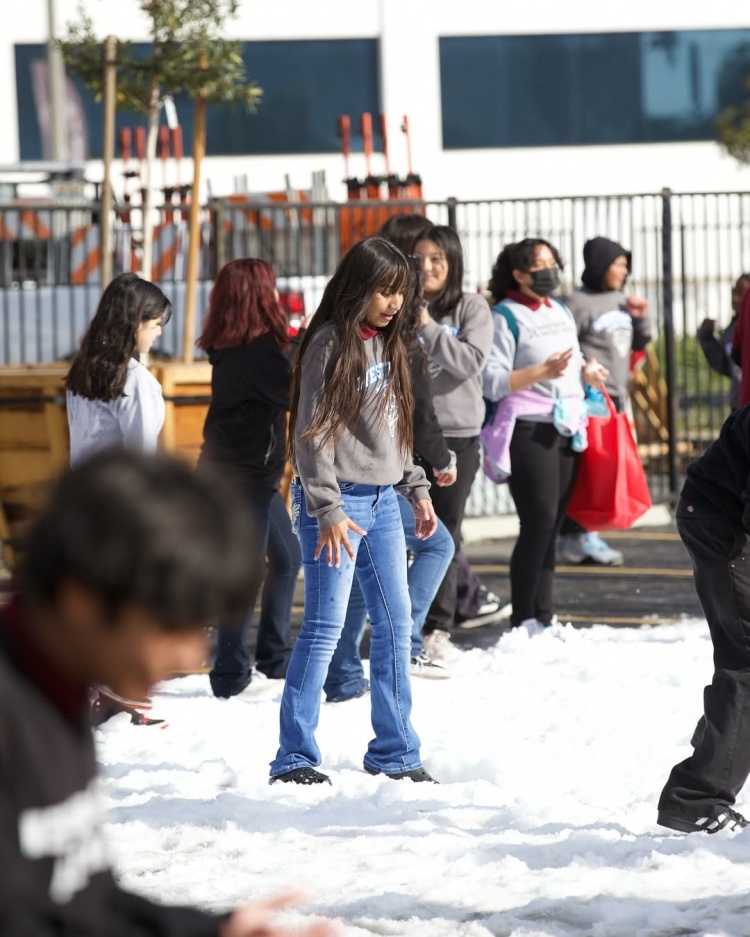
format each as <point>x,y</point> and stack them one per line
<point>596,550</point>
<point>569,549</point>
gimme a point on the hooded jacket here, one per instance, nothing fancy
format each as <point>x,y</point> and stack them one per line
<point>606,330</point>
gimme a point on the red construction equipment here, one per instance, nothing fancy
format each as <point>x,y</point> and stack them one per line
<point>366,219</point>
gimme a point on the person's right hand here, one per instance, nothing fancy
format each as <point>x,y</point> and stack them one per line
<point>255,919</point>
<point>333,538</point>
<point>708,325</point>
<point>447,478</point>
<point>556,364</point>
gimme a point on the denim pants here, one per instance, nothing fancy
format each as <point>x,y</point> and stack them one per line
<point>231,672</point>
<point>432,557</point>
<point>380,568</point>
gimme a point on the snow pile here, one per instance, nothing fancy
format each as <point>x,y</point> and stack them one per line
<point>551,750</point>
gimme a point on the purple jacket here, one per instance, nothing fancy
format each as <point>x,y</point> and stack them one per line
<point>569,418</point>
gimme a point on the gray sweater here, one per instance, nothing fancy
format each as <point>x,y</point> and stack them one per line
<point>541,332</point>
<point>132,421</point>
<point>608,332</point>
<point>366,454</point>
<point>457,346</point>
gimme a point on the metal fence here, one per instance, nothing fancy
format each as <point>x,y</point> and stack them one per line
<point>688,249</point>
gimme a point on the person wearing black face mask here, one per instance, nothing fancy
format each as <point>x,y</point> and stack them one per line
<point>535,374</point>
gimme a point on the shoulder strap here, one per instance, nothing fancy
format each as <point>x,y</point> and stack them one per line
<point>510,319</point>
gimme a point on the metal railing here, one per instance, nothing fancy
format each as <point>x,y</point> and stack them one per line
<point>688,249</point>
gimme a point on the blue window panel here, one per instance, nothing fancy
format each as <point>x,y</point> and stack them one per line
<point>558,90</point>
<point>307,85</point>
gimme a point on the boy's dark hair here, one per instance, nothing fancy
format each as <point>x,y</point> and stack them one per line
<point>450,244</point>
<point>146,530</point>
<point>405,230</point>
<point>512,257</point>
<point>100,366</point>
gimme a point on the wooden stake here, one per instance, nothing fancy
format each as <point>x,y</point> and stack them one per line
<point>108,152</point>
<point>194,232</point>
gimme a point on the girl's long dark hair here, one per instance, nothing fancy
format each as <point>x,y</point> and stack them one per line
<point>100,366</point>
<point>449,243</point>
<point>512,257</point>
<point>243,306</point>
<point>371,265</point>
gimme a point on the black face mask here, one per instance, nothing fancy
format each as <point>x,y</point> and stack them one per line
<point>545,281</point>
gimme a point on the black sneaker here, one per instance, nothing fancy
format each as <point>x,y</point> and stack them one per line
<point>302,776</point>
<point>416,774</point>
<point>725,818</point>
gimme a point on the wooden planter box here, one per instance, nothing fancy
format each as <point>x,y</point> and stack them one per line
<point>34,439</point>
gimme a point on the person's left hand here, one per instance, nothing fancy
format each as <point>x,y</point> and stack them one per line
<point>426,519</point>
<point>637,306</point>
<point>447,478</point>
<point>255,919</point>
<point>595,374</point>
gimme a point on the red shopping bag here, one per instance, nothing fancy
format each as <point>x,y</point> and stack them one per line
<point>611,491</point>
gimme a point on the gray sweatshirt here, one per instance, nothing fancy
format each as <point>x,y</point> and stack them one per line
<point>366,454</point>
<point>457,346</point>
<point>541,332</point>
<point>132,421</point>
<point>608,332</point>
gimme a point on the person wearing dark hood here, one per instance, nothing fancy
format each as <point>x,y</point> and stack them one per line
<point>610,326</point>
<point>718,349</point>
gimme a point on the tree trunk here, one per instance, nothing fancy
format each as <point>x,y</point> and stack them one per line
<point>148,195</point>
<point>191,275</point>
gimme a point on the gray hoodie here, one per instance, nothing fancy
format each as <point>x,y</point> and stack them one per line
<point>457,346</point>
<point>367,454</point>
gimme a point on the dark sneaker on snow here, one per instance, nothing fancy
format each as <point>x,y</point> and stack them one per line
<point>301,776</point>
<point>722,818</point>
<point>416,774</point>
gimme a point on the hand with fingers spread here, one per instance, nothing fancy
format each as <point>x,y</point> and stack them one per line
<point>426,519</point>
<point>333,538</point>
<point>256,920</point>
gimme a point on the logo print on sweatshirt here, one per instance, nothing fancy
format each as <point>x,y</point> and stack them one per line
<point>454,331</point>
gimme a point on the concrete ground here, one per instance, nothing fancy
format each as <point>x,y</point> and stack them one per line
<point>654,586</point>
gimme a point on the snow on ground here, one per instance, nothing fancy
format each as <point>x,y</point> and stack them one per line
<point>551,752</point>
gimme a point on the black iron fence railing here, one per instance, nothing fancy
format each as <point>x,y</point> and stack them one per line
<point>688,249</point>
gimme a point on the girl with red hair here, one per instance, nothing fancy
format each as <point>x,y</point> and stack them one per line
<point>245,336</point>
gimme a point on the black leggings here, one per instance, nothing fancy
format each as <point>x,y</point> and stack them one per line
<point>543,467</point>
<point>450,505</point>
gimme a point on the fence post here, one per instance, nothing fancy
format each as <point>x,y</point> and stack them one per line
<point>218,218</point>
<point>669,343</point>
<point>452,213</point>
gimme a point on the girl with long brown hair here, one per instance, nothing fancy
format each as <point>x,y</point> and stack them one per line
<point>351,443</point>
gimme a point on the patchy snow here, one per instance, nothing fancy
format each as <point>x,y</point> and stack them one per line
<point>551,752</point>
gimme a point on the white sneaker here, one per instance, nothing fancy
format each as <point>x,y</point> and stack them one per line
<point>424,666</point>
<point>437,645</point>
<point>532,626</point>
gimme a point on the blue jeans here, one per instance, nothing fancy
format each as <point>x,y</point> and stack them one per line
<point>432,557</point>
<point>380,568</point>
<point>231,672</point>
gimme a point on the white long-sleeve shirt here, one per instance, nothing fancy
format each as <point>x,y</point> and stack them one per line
<point>132,421</point>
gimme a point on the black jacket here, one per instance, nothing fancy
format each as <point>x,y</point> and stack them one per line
<point>246,422</point>
<point>55,880</point>
<point>721,476</point>
<point>429,443</point>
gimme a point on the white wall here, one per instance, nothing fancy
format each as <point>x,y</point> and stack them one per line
<point>409,30</point>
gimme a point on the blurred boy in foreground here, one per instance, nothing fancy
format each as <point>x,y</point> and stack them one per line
<point>132,556</point>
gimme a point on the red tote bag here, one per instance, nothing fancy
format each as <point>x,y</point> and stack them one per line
<point>611,491</point>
